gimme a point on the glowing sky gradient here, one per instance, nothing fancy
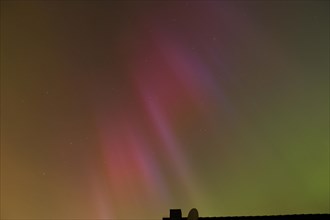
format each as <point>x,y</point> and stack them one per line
<point>125,109</point>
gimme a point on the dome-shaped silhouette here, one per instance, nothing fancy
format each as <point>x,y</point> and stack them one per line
<point>193,214</point>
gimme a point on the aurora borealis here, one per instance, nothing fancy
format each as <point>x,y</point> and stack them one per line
<point>125,109</point>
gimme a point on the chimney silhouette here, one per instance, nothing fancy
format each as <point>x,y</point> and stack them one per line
<point>175,214</point>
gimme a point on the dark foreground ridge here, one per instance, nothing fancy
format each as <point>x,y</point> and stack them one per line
<point>176,214</point>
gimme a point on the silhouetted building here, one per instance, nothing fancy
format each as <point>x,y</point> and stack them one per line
<point>176,214</point>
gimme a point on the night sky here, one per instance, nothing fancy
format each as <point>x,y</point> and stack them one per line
<point>125,109</point>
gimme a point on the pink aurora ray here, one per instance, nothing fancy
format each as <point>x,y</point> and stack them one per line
<point>168,84</point>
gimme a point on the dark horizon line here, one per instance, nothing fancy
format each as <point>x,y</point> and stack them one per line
<point>176,214</point>
<point>291,216</point>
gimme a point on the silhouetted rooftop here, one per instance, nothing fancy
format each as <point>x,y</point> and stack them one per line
<point>175,214</point>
